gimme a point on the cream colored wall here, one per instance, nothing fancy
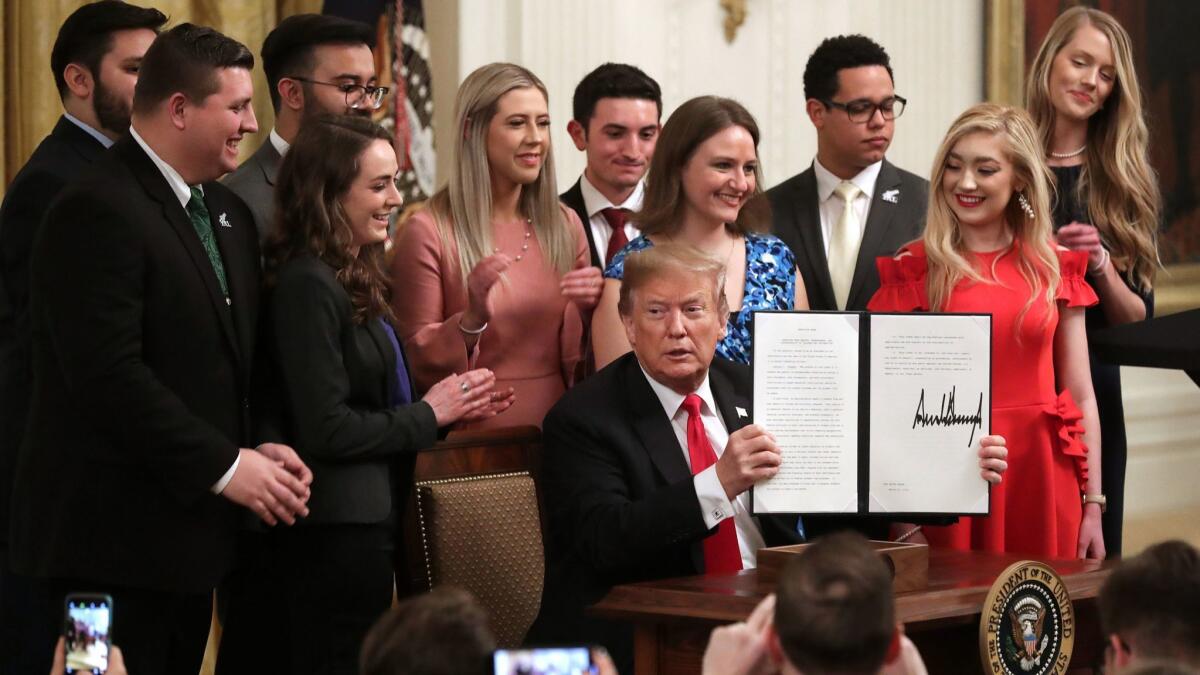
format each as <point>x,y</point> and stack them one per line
<point>681,44</point>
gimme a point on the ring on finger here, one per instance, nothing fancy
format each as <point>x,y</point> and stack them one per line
<point>464,386</point>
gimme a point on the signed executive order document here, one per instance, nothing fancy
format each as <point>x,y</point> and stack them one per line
<point>874,413</point>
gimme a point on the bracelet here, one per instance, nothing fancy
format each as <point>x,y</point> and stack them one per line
<point>469,331</point>
<point>1103,261</point>
<point>906,535</point>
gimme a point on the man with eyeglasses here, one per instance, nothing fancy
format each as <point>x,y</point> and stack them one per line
<point>315,64</point>
<point>851,205</point>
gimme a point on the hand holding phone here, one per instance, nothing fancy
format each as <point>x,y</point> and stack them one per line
<point>86,630</point>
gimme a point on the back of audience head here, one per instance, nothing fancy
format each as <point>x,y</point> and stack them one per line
<point>617,110</point>
<point>849,70</point>
<point>834,610</point>
<point>96,57</point>
<point>443,632</point>
<point>685,133</point>
<point>192,101</point>
<point>308,60</point>
<point>1150,606</point>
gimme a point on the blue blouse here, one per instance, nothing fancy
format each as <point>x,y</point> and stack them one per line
<point>770,284</point>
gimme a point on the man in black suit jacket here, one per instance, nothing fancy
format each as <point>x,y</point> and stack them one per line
<point>94,59</point>
<point>852,103</point>
<point>617,111</point>
<point>143,321</point>
<point>315,63</point>
<point>621,499</point>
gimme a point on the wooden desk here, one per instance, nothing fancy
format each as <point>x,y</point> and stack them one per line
<point>674,617</point>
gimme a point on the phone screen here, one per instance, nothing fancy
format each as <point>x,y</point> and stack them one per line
<point>543,661</point>
<point>88,620</point>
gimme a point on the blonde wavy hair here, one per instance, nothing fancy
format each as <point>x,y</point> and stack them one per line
<point>1121,190</point>
<point>1037,259</point>
<point>463,209</point>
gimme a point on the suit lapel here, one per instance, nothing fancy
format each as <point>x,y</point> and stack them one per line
<point>808,226</point>
<point>241,266</point>
<point>268,158</point>
<point>156,186</point>
<point>574,199</point>
<point>652,425</point>
<point>880,218</point>
<point>384,345</point>
<point>734,407</point>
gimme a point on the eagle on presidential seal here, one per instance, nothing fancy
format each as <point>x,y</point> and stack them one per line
<point>1029,641</point>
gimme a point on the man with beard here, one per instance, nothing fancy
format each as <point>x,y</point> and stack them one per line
<point>95,61</point>
<point>314,64</point>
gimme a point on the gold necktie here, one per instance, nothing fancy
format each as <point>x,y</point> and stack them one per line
<point>844,240</point>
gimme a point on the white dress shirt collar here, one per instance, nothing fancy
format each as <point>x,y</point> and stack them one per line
<point>90,130</point>
<point>595,202</point>
<point>827,182</point>
<point>672,400</point>
<point>178,185</point>
<point>281,146</point>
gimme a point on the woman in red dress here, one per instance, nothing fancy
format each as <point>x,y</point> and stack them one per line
<point>988,247</point>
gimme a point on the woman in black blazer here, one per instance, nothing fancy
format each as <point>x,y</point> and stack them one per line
<point>347,402</point>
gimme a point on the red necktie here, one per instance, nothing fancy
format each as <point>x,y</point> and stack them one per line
<point>721,552</point>
<point>616,220</point>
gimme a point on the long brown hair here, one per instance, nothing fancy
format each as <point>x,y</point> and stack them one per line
<point>1120,188</point>
<point>691,124</point>
<point>316,173</point>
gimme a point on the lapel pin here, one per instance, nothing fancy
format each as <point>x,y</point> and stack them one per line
<point>741,411</point>
<point>892,196</point>
<point>224,220</point>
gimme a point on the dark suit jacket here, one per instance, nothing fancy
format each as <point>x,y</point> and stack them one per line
<point>337,380</point>
<point>254,182</point>
<point>620,501</point>
<point>796,220</point>
<point>141,383</point>
<point>573,199</point>
<point>58,160</point>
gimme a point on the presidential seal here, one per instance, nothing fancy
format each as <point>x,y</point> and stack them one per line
<point>1027,626</point>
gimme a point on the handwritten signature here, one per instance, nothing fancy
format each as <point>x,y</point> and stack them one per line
<point>947,416</point>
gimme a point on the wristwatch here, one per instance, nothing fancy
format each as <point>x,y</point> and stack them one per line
<point>1096,499</point>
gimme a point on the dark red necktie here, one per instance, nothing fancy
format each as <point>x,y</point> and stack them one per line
<point>721,552</point>
<point>616,220</point>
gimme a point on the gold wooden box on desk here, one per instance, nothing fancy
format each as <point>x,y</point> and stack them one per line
<point>909,562</point>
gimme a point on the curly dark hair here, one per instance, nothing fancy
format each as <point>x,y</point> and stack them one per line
<point>839,53</point>
<point>315,174</point>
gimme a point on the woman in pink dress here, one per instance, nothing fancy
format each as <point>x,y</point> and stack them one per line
<point>494,272</point>
<point>988,248</point>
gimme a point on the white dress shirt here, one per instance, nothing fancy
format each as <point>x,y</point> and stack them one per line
<point>714,505</point>
<point>281,146</point>
<point>89,130</point>
<point>831,205</point>
<point>594,203</point>
<point>184,193</point>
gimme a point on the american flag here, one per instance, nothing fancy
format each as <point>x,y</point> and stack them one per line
<point>413,102</point>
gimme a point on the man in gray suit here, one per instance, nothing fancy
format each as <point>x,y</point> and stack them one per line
<point>314,64</point>
<point>851,205</point>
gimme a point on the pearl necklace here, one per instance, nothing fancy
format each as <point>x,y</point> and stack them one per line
<point>1068,155</point>
<point>524,243</point>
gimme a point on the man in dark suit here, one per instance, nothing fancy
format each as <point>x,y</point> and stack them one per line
<point>851,206</point>
<point>315,63</point>
<point>95,61</point>
<point>144,295</point>
<point>617,112</point>
<point>647,463</point>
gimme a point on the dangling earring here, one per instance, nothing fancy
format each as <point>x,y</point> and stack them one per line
<point>1024,204</point>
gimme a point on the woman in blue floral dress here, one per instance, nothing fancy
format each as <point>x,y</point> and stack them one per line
<point>704,170</point>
